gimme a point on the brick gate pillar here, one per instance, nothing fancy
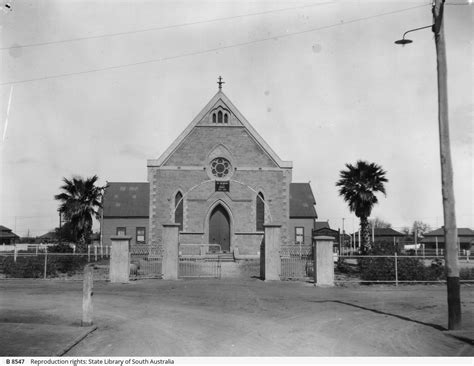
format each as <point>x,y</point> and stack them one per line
<point>120,259</point>
<point>170,251</point>
<point>271,252</point>
<point>323,261</point>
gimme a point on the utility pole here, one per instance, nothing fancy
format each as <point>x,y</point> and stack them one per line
<point>450,229</point>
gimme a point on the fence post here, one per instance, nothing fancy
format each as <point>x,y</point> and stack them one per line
<point>95,253</point>
<point>88,253</point>
<point>87,293</point>
<point>324,265</point>
<point>15,252</point>
<point>120,259</point>
<point>272,252</point>
<point>45,260</point>
<point>396,269</point>
<point>315,262</point>
<point>36,249</point>
<point>170,263</point>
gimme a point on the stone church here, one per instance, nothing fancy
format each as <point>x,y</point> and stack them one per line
<point>221,182</point>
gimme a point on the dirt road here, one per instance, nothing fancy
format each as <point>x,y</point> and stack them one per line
<point>245,318</point>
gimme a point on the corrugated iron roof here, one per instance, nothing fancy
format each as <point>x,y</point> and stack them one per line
<point>127,199</point>
<point>387,231</point>
<point>302,201</point>
<point>462,231</point>
<point>132,200</point>
<point>321,225</point>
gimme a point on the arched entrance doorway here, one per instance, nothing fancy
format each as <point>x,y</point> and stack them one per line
<point>219,228</point>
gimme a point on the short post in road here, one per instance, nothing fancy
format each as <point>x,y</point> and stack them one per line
<point>396,269</point>
<point>45,260</point>
<point>87,296</point>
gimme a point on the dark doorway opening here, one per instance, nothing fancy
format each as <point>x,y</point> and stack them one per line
<point>219,228</point>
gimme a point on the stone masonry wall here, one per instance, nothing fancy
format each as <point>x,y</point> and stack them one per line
<point>199,201</point>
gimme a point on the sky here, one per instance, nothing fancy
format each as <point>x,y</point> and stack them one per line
<point>99,87</point>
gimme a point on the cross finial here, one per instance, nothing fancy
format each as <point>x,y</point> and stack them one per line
<point>220,82</point>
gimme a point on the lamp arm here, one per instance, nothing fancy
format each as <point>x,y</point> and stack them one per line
<point>416,29</point>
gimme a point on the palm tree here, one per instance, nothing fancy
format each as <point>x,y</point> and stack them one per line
<point>358,185</point>
<point>81,200</point>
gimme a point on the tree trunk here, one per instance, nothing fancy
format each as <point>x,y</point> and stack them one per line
<point>81,245</point>
<point>365,232</point>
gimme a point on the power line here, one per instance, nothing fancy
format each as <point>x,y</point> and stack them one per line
<point>210,50</point>
<point>163,27</point>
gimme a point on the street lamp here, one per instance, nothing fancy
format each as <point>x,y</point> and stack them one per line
<point>450,229</point>
<point>404,41</point>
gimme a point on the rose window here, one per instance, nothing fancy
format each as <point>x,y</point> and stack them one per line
<point>220,167</point>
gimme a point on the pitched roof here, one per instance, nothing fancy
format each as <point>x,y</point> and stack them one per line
<point>127,199</point>
<point>132,200</point>
<point>7,233</point>
<point>387,231</point>
<point>321,225</point>
<point>49,234</point>
<point>219,97</point>
<point>4,228</point>
<point>462,231</point>
<point>302,201</point>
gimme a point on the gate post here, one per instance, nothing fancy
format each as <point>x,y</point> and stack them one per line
<point>323,261</point>
<point>120,259</point>
<point>170,251</point>
<point>271,252</point>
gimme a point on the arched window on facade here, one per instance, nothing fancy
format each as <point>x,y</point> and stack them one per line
<point>226,118</point>
<point>178,213</point>
<point>219,117</point>
<point>260,210</point>
<point>213,118</point>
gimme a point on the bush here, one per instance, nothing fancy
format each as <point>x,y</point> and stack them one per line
<point>342,266</point>
<point>408,269</point>
<point>26,267</point>
<point>60,248</point>
<point>33,266</point>
<point>466,274</point>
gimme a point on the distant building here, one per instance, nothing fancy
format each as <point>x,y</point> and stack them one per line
<point>387,235</point>
<point>322,228</point>
<point>302,213</point>
<point>7,236</point>
<point>49,237</point>
<point>435,239</point>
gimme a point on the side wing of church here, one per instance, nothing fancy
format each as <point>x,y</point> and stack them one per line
<point>221,182</point>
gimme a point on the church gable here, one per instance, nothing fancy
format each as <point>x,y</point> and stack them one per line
<point>198,148</point>
<point>220,115</point>
<point>220,123</point>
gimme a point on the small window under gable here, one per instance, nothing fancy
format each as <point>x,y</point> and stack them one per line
<point>220,114</point>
